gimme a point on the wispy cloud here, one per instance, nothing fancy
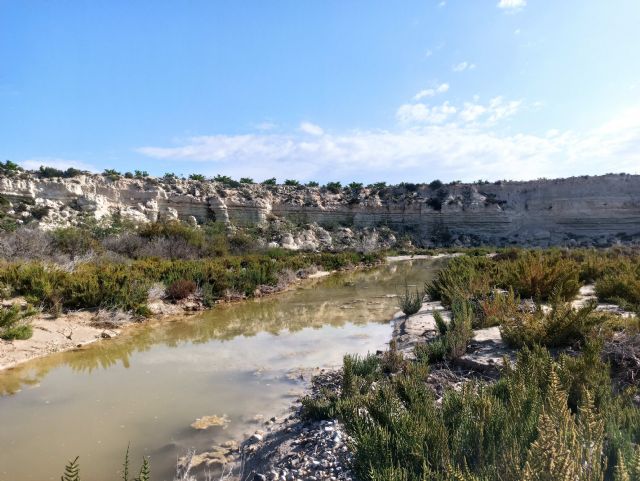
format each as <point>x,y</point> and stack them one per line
<point>464,147</point>
<point>56,162</point>
<point>422,113</point>
<point>512,4</point>
<point>440,89</point>
<point>265,125</point>
<point>462,66</point>
<point>311,129</point>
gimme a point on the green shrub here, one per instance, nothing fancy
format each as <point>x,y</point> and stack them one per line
<point>271,181</point>
<point>73,241</point>
<point>114,285</point>
<point>492,309</point>
<point>410,302</point>
<point>13,323</point>
<point>111,174</point>
<point>459,332</point>
<point>561,326</point>
<point>540,276</point>
<point>463,278</point>
<point>334,187</point>
<point>527,425</point>
<point>9,167</point>
<point>621,288</point>
<point>197,177</point>
<point>433,351</point>
<point>72,470</point>
<point>226,181</point>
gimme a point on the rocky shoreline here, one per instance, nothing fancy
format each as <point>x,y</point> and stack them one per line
<point>296,449</point>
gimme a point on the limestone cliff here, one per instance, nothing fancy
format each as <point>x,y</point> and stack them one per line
<point>576,211</point>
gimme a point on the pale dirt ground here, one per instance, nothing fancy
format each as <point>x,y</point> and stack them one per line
<point>51,335</point>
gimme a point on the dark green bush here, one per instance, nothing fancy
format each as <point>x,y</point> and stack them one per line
<point>561,326</point>
<point>409,301</point>
<point>528,425</point>
<point>13,323</point>
<point>334,187</point>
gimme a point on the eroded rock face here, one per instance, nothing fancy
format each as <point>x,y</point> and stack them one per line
<point>577,211</point>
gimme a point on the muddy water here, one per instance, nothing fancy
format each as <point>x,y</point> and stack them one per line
<point>243,361</point>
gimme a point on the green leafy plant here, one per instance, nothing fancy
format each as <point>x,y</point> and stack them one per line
<point>111,174</point>
<point>14,324</point>
<point>410,301</point>
<point>334,187</point>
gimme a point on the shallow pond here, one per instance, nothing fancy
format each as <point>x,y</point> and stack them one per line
<point>146,388</point>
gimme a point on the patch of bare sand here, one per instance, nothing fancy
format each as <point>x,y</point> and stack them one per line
<point>50,335</point>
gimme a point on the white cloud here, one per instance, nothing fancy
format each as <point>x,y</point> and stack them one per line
<point>472,112</point>
<point>512,4</point>
<point>422,113</point>
<point>311,129</point>
<point>440,89</point>
<point>499,109</point>
<point>58,163</point>
<point>465,147</point>
<point>462,66</point>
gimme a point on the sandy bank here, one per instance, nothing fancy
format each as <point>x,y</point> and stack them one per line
<point>75,329</point>
<point>420,256</point>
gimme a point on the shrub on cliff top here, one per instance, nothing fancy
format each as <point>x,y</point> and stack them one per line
<point>334,187</point>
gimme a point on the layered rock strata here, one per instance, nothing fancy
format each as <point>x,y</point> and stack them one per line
<point>577,211</point>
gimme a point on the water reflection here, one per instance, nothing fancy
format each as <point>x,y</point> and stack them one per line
<point>351,297</point>
<point>149,385</point>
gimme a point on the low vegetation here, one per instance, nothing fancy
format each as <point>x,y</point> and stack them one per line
<point>14,322</point>
<point>546,417</point>
<point>72,470</point>
<point>125,284</point>
<point>410,300</point>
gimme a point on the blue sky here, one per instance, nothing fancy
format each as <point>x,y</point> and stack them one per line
<point>323,90</point>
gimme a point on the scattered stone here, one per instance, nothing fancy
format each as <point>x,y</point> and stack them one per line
<point>487,351</point>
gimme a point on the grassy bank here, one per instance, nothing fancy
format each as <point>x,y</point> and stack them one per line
<point>126,285</point>
<point>547,417</point>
